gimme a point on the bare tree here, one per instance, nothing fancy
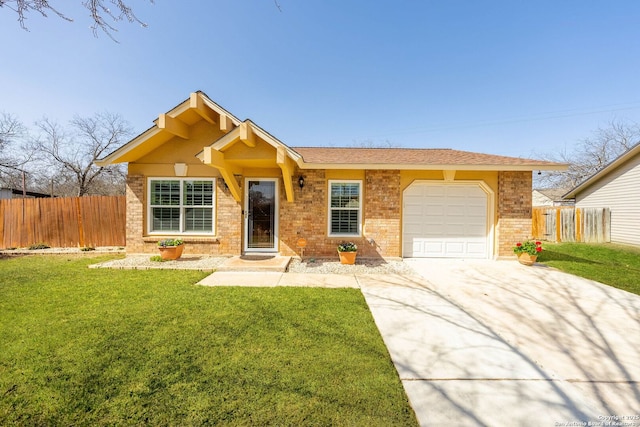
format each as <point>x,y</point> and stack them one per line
<point>104,17</point>
<point>11,131</point>
<point>591,154</point>
<point>70,156</point>
<point>14,154</point>
<point>370,143</point>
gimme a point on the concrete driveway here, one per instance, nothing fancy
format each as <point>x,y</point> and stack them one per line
<point>496,343</point>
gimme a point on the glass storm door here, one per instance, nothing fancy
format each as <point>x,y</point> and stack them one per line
<point>260,213</point>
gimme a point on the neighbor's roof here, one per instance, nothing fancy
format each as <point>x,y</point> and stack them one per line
<point>428,158</point>
<point>627,155</point>
<point>554,194</point>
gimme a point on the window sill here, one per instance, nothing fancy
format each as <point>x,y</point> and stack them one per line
<point>186,239</point>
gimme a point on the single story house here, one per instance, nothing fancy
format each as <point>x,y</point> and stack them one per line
<point>550,197</point>
<point>16,193</point>
<point>228,187</point>
<point>617,187</point>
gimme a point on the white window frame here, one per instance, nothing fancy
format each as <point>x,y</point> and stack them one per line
<point>181,206</point>
<point>330,209</point>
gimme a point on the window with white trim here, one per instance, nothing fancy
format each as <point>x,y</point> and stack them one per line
<point>345,208</point>
<point>178,205</point>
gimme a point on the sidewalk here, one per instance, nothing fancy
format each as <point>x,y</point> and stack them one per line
<point>272,279</point>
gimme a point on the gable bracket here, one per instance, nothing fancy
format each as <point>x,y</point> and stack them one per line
<point>174,126</point>
<point>287,166</point>
<point>225,123</point>
<point>246,134</point>
<point>196,103</point>
<point>216,159</point>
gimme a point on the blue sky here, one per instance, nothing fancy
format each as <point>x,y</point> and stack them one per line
<point>504,77</point>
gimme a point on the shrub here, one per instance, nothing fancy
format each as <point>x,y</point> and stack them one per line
<point>39,246</point>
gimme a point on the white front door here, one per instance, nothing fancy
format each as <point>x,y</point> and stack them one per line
<point>261,215</point>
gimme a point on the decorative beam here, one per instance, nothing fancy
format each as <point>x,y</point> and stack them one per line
<point>449,175</point>
<point>216,159</point>
<point>196,103</point>
<point>286,164</point>
<point>225,123</point>
<point>246,135</point>
<point>174,126</point>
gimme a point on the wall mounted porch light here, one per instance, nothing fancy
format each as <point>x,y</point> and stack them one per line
<point>301,181</point>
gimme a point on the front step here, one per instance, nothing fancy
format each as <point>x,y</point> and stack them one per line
<point>254,262</point>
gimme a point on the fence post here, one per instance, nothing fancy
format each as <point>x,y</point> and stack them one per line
<point>80,226</point>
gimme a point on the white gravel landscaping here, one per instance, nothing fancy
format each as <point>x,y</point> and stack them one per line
<point>318,266</point>
<point>143,262</point>
<point>362,266</point>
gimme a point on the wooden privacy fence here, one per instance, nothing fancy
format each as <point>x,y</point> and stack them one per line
<point>63,222</point>
<point>569,224</point>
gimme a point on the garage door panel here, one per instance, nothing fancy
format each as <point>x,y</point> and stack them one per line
<point>431,230</point>
<point>454,248</point>
<point>476,248</point>
<point>432,191</point>
<point>477,211</point>
<point>447,221</point>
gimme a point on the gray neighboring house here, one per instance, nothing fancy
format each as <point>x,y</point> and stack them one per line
<point>550,197</point>
<point>14,193</point>
<point>616,187</point>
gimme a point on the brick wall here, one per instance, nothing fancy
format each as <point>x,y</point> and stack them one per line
<point>514,210</point>
<point>228,223</point>
<point>382,213</point>
<point>307,217</point>
<point>135,213</point>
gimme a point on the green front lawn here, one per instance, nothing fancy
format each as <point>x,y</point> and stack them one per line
<point>80,346</point>
<point>614,265</point>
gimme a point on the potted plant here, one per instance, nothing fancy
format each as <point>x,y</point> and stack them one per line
<point>347,252</point>
<point>527,251</point>
<point>171,248</point>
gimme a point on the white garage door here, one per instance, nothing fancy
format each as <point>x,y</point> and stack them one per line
<point>445,221</point>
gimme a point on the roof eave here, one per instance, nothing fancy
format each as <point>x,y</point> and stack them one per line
<point>117,155</point>
<point>404,166</point>
<point>603,172</point>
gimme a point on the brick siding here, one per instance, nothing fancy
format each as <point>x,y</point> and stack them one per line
<point>135,213</point>
<point>307,217</point>
<point>228,223</point>
<point>382,213</point>
<point>514,210</point>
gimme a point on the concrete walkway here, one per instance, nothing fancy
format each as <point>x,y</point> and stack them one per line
<point>272,263</point>
<point>271,279</point>
<point>498,344</point>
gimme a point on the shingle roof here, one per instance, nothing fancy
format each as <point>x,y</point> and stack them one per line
<point>412,156</point>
